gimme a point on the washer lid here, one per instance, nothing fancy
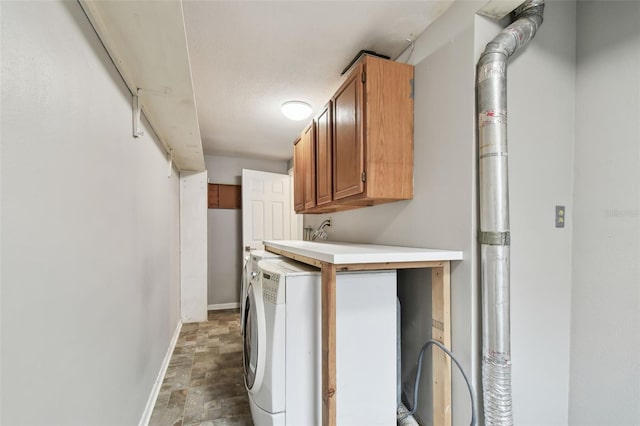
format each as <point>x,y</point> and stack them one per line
<point>285,266</point>
<point>258,255</point>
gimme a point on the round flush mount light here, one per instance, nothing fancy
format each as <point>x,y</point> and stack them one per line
<point>296,110</point>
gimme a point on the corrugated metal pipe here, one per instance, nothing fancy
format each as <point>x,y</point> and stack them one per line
<point>494,235</point>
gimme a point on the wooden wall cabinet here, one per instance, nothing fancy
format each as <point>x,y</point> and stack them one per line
<point>359,149</point>
<point>373,134</point>
<point>223,196</point>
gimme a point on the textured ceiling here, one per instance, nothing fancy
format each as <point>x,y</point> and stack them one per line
<point>248,57</point>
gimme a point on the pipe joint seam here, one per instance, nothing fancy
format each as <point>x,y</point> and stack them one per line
<point>495,238</point>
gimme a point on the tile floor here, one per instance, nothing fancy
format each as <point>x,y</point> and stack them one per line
<point>204,382</point>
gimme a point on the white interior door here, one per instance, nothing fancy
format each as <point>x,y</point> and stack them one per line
<point>266,208</point>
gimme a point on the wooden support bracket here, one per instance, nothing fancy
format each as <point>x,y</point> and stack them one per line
<point>328,344</point>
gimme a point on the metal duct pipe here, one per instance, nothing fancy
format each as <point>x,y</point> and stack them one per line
<point>494,235</point>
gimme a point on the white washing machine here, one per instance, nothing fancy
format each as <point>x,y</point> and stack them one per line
<point>282,344</point>
<point>283,351</point>
<point>249,271</point>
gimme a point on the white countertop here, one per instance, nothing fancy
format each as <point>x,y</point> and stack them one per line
<point>340,253</point>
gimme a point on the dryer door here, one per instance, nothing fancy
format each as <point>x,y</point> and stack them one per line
<point>244,284</point>
<point>254,337</point>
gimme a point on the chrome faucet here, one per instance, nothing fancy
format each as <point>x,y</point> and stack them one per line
<point>320,232</point>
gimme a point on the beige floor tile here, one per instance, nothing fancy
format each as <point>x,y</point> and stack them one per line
<point>204,381</point>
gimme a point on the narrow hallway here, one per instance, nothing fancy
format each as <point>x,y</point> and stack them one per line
<point>204,382</point>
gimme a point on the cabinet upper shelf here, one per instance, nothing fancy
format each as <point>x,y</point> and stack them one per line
<point>147,43</point>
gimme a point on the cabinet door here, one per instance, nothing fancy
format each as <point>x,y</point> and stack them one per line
<point>324,176</point>
<point>213,195</point>
<point>223,196</point>
<point>298,176</point>
<point>348,147</point>
<point>309,150</point>
<point>230,197</point>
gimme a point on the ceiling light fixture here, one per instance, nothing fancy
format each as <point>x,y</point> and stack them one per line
<point>296,110</point>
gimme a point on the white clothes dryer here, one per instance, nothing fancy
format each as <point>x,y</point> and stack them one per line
<point>250,271</point>
<point>282,349</point>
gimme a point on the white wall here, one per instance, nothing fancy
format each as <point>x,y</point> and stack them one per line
<point>444,209</point>
<point>605,327</point>
<point>228,170</point>
<point>225,227</point>
<point>193,244</point>
<point>90,238</point>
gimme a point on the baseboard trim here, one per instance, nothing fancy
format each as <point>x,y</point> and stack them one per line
<point>220,306</point>
<point>151,402</point>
